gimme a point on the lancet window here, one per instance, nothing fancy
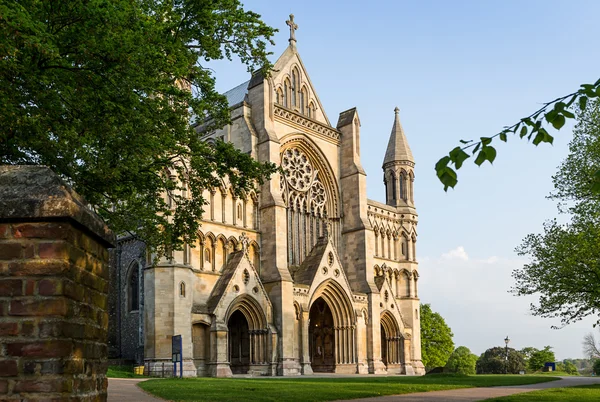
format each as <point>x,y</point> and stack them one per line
<point>403,186</point>
<point>294,88</point>
<point>307,205</point>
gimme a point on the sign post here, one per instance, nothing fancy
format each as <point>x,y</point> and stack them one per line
<point>177,349</point>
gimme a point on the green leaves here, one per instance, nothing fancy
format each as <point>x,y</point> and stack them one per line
<point>554,113</point>
<point>487,153</point>
<point>101,92</point>
<point>436,338</point>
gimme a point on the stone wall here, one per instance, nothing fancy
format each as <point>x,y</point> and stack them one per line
<point>125,329</point>
<point>53,290</point>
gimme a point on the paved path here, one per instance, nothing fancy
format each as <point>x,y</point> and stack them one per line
<point>479,394</point>
<point>126,390</point>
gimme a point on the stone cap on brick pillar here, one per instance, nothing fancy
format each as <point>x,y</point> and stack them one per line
<point>37,193</point>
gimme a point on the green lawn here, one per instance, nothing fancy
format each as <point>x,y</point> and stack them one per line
<point>121,372</point>
<point>582,393</point>
<point>320,389</point>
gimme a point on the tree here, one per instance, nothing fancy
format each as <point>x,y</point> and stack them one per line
<point>539,358</point>
<point>590,347</point>
<point>570,368</point>
<point>564,269</point>
<point>103,91</point>
<point>554,113</point>
<point>493,361</point>
<point>436,338</point>
<point>527,352</point>
<point>461,361</point>
<point>596,367</point>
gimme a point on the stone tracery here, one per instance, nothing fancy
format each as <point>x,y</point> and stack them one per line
<point>306,199</point>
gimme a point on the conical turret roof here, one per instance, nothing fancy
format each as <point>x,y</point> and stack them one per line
<point>397,149</point>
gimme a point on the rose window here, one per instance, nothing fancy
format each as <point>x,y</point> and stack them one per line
<point>298,170</point>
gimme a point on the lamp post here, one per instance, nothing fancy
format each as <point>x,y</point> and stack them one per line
<point>506,340</point>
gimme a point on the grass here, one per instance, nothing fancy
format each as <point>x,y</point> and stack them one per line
<point>582,393</point>
<point>121,372</point>
<point>320,389</point>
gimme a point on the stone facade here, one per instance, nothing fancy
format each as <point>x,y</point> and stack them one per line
<point>53,290</point>
<point>307,274</point>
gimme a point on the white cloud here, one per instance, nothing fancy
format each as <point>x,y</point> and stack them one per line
<point>457,253</point>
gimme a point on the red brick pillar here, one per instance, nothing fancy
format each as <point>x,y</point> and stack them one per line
<point>53,290</point>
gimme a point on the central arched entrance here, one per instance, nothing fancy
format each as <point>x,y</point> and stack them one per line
<point>239,343</point>
<point>321,337</point>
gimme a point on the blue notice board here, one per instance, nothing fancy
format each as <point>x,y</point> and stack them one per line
<point>177,348</point>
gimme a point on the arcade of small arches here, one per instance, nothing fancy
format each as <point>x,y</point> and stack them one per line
<point>399,185</point>
<point>404,282</point>
<point>224,206</point>
<point>293,93</point>
<point>394,245</point>
<point>212,252</point>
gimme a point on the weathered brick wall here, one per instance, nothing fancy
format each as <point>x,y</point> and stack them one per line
<point>53,290</point>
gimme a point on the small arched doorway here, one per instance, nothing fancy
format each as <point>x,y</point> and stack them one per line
<point>321,337</point>
<point>239,343</point>
<point>392,343</point>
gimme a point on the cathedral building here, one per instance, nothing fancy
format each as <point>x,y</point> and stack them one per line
<point>306,275</point>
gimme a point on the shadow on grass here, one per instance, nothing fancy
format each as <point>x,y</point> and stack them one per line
<point>320,388</point>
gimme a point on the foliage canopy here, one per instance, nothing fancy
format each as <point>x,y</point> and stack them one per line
<point>564,267</point>
<point>461,361</point>
<point>102,92</point>
<point>540,357</point>
<point>436,338</point>
<point>494,361</point>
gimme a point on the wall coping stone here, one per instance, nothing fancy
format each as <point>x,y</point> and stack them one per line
<point>35,192</point>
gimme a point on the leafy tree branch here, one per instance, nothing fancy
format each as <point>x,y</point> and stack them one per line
<point>533,127</point>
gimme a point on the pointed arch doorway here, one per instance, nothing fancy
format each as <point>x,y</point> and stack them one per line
<point>321,337</point>
<point>239,343</point>
<point>392,344</point>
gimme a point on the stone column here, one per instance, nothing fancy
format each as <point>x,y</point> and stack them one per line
<point>219,358</point>
<point>305,360</point>
<point>53,290</point>
<point>408,368</point>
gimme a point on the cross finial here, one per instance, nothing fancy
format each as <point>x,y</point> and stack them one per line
<point>293,26</point>
<point>396,110</point>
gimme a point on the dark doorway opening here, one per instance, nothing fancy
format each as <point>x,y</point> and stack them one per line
<point>321,337</point>
<point>384,346</point>
<point>239,343</point>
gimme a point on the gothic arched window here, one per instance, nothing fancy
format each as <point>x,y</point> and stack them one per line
<point>182,289</point>
<point>403,186</point>
<point>303,97</point>
<point>286,93</point>
<point>134,288</point>
<point>393,197</point>
<point>294,88</point>
<point>307,201</point>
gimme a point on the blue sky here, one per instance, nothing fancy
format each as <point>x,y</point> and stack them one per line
<point>457,70</point>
